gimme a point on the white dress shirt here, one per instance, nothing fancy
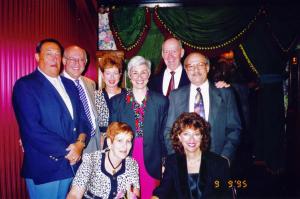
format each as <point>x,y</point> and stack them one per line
<point>86,95</point>
<point>58,85</point>
<point>167,78</point>
<point>205,94</point>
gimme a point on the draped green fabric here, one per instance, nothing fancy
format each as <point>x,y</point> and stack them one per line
<point>129,22</point>
<point>152,46</point>
<point>208,25</point>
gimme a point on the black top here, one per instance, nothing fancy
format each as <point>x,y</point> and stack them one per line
<point>193,183</point>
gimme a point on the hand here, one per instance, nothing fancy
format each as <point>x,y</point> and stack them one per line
<point>222,84</point>
<point>21,145</point>
<point>75,151</point>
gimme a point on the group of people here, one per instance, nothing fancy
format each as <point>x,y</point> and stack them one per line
<point>172,135</point>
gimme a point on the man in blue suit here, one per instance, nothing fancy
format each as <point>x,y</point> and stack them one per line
<point>52,125</point>
<point>218,105</point>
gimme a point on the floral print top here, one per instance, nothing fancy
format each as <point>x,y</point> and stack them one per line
<point>139,111</point>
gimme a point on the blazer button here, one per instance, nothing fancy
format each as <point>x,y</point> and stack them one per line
<point>74,129</point>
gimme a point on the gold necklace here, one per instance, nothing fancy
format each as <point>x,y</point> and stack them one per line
<point>111,164</point>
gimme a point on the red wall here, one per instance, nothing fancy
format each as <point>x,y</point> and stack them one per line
<point>22,24</point>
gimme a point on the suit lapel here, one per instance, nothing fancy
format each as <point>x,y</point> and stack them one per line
<point>214,102</point>
<point>71,95</point>
<point>51,90</point>
<point>183,176</point>
<point>184,103</point>
<point>90,94</point>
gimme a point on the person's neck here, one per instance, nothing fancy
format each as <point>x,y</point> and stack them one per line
<point>112,90</point>
<point>114,160</point>
<point>194,156</point>
<point>139,94</point>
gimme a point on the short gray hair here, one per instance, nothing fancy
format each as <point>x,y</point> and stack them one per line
<point>137,61</point>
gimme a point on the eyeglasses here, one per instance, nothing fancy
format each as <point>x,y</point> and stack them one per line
<point>143,74</point>
<point>74,60</point>
<point>192,67</point>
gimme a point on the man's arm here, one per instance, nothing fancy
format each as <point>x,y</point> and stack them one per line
<point>171,117</point>
<point>233,127</point>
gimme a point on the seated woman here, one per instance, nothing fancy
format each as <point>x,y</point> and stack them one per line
<point>110,174</point>
<point>111,67</point>
<point>193,172</point>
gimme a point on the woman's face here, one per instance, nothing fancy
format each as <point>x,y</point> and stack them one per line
<point>139,76</point>
<point>190,140</point>
<point>111,77</point>
<point>121,145</point>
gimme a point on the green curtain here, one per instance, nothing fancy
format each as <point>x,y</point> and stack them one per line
<point>129,22</point>
<point>208,25</point>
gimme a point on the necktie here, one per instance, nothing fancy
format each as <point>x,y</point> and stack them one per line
<point>85,104</point>
<point>198,105</point>
<point>171,83</point>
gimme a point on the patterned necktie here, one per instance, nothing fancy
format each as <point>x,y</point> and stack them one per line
<point>171,83</point>
<point>198,105</point>
<point>85,104</point>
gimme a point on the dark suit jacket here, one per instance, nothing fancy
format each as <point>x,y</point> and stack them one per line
<point>174,184</point>
<point>223,118</point>
<point>156,82</point>
<point>46,126</point>
<point>154,121</point>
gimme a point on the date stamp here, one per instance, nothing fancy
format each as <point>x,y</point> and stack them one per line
<point>237,183</point>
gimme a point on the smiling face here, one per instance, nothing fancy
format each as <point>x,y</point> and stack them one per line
<point>74,61</point>
<point>172,52</point>
<point>190,140</point>
<point>49,59</point>
<point>139,76</point>
<point>197,68</point>
<point>111,77</point>
<point>120,146</point>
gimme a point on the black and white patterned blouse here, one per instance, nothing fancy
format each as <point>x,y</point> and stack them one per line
<point>102,108</point>
<point>93,177</point>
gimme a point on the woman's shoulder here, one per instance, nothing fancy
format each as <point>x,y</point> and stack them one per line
<point>130,161</point>
<point>158,97</point>
<point>213,157</point>
<point>94,156</point>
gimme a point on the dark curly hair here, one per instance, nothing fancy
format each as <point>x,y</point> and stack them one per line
<point>193,121</point>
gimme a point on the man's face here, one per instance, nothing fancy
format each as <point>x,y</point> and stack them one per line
<point>197,67</point>
<point>172,53</point>
<point>49,59</point>
<point>74,61</point>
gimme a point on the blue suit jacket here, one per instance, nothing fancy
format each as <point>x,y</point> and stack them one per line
<point>154,122</point>
<point>46,126</point>
<point>223,118</point>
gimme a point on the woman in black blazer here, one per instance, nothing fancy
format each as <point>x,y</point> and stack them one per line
<point>145,111</point>
<point>193,172</point>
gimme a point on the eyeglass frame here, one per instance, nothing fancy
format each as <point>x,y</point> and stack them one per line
<point>74,60</point>
<point>199,66</point>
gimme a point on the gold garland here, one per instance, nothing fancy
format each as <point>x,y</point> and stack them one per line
<point>252,67</point>
<point>139,38</point>
<point>218,45</point>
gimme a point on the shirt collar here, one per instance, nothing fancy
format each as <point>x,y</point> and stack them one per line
<point>203,86</point>
<point>69,77</point>
<point>177,70</point>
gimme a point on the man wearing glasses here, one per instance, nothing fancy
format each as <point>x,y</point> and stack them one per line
<point>215,105</point>
<point>74,61</point>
